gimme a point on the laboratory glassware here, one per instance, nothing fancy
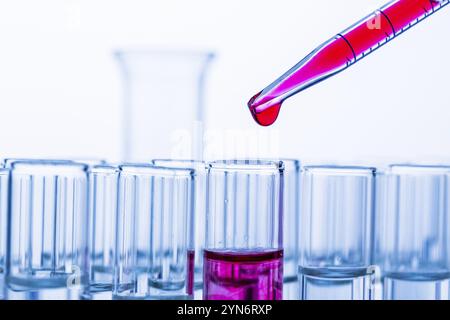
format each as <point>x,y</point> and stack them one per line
<point>340,52</point>
<point>6,162</point>
<point>4,178</point>
<point>199,211</point>
<point>412,234</point>
<point>335,233</point>
<point>103,188</point>
<point>47,230</point>
<point>163,113</point>
<point>291,216</point>
<point>154,256</point>
<point>243,255</point>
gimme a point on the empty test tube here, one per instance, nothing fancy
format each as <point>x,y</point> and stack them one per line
<point>47,230</point>
<point>4,178</point>
<point>103,187</point>
<point>412,232</point>
<point>291,217</point>
<point>243,256</point>
<point>199,209</point>
<point>154,256</point>
<point>335,233</point>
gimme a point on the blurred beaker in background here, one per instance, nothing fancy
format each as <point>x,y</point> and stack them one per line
<point>163,110</point>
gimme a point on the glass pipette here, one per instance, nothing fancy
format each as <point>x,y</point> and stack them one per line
<point>342,51</point>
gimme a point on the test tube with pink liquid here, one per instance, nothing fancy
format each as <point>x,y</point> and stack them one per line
<point>243,255</point>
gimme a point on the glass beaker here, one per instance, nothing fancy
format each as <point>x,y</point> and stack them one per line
<point>163,111</point>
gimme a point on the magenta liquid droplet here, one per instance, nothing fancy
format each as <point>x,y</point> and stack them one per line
<point>266,117</point>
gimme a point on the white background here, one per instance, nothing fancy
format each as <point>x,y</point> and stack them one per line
<point>60,91</point>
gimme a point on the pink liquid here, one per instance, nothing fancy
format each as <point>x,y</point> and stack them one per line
<point>243,275</point>
<point>190,272</point>
<point>267,116</point>
<point>340,52</point>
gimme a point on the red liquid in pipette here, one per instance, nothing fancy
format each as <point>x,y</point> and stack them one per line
<point>339,53</point>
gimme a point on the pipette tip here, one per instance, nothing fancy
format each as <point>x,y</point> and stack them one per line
<point>268,115</point>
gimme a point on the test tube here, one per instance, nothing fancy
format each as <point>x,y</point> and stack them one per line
<point>154,256</point>
<point>103,187</point>
<point>243,256</point>
<point>4,178</point>
<point>413,233</point>
<point>200,213</point>
<point>291,208</point>
<point>335,233</point>
<point>47,230</point>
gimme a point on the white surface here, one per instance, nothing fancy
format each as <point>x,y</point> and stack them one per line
<point>60,89</point>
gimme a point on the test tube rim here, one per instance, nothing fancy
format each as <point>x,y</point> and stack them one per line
<point>247,165</point>
<point>47,167</point>
<point>7,162</point>
<point>104,169</point>
<point>152,170</point>
<point>289,163</point>
<point>90,162</point>
<point>183,163</point>
<point>418,169</point>
<point>339,170</point>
